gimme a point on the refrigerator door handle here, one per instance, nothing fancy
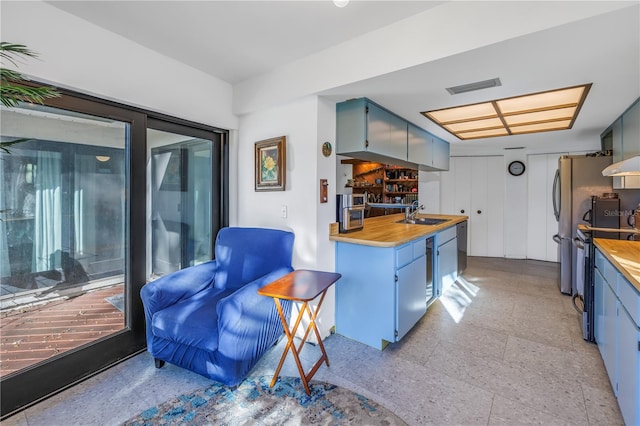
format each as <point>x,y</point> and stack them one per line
<point>556,188</point>
<point>557,238</point>
<point>578,243</point>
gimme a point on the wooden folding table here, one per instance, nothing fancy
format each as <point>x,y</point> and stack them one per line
<point>301,286</point>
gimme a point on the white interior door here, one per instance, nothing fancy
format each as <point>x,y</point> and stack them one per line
<point>493,210</point>
<point>541,223</point>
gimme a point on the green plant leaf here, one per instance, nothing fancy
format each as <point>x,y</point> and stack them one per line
<point>12,51</point>
<point>12,95</point>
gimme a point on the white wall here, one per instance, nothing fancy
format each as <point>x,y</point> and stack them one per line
<point>517,196</point>
<point>307,123</point>
<point>84,57</point>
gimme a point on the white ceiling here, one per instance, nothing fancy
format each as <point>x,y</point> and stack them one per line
<point>238,41</point>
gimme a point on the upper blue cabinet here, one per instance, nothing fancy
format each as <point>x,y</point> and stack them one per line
<point>369,132</point>
<point>624,136</point>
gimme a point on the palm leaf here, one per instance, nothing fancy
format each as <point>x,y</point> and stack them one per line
<point>12,95</point>
<point>12,51</point>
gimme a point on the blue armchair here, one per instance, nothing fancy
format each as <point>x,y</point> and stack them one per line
<point>209,318</point>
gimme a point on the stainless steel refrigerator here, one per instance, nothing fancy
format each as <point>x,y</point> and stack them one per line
<point>577,179</point>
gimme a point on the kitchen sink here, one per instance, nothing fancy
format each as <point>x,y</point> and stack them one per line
<point>423,221</point>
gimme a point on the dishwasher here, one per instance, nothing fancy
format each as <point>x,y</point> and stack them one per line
<point>461,233</point>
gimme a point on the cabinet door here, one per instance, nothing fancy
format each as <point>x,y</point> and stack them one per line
<point>386,133</point>
<point>462,190</point>
<point>440,154</point>
<point>493,209</point>
<point>631,141</point>
<point>478,217</point>
<point>447,264</point>
<point>631,132</point>
<point>598,310</point>
<point>608,350</point>
<point>627,362</point>
<point>420,146</point>
<point>410,295</point>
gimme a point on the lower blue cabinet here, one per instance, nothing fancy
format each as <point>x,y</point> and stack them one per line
<point>617,333</point>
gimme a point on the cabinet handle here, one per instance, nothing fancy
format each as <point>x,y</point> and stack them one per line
<point>479,211</point>
<point>462,211</point>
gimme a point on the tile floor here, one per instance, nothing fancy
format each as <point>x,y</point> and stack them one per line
<point>502,347</point>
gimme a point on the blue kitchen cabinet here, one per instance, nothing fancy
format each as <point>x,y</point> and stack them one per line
<point>628,372</point>
<point>411,299</point>
<point>428,151</point>
<point>441,154</point>
<point>446,259</point>
<point>382,292</point>
<point>609,346</point>
<point>617,333</point>
<point>598,309</point>
<point>367,131</point>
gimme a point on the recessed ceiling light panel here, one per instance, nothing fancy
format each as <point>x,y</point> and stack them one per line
<point>535,112</point>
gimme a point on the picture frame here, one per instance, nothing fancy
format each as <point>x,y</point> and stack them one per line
<point>271,164</point>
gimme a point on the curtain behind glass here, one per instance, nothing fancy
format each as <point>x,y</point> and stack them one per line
<point>48,211</point>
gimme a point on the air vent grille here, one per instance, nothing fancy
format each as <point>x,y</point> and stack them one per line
<point>478,85</point>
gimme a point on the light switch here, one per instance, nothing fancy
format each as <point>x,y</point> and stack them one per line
<point>283,211</point>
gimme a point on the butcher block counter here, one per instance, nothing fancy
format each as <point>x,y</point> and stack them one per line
<point>385,231</point>
<point>624,255</point>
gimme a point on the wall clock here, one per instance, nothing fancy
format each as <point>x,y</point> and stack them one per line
<point>516,168</point>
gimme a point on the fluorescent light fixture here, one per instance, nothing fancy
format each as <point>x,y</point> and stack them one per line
<point>532,113</point>
<point>341,3</point>
<point>628,167</point>
<point>103,158</point>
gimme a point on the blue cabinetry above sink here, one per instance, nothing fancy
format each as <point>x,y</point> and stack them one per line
<point>367,131</point>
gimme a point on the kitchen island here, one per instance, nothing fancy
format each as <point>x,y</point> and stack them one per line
<point>617,319</point>
<point>391,272</point>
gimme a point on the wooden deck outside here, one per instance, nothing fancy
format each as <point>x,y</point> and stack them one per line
<point>33,334</point>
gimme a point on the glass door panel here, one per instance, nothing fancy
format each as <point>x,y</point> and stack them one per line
<point>62,233</point>
<point>179,201</point>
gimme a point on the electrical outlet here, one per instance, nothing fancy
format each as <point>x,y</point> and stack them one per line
<point>283,211</point>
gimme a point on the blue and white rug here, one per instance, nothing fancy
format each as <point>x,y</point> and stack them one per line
<point>253,402</point>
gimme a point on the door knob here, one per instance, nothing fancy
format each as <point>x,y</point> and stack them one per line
<point>462,211</point>
<point>479,211</point>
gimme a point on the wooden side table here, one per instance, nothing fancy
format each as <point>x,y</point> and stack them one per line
<point>300,286</point>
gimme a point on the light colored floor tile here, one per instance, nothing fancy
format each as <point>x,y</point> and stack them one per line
<point>505,348</point>
<point>602,407</point>
<point>550,394</point>
<point>506,412</point>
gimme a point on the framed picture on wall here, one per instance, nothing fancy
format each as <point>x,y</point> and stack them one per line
<point>270,162</point>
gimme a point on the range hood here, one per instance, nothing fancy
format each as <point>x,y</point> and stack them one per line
<point>628,167</point>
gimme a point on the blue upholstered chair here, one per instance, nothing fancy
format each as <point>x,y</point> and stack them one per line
<point>209,318</point>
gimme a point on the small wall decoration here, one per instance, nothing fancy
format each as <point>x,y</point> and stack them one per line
<point>270,161</point>
<point>326,149</point>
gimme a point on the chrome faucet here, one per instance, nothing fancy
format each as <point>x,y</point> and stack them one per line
<point>411,215</point>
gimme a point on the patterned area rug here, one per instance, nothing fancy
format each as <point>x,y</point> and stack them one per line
<point>253,402</point>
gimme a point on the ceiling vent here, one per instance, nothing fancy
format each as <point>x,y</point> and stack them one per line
<point>463,88</point>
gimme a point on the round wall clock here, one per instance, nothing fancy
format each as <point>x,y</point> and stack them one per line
<point>326,149</point>
<point>516,168</point>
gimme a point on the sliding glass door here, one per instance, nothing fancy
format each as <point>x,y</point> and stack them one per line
<point>96,199</point>
<point>180,201</point>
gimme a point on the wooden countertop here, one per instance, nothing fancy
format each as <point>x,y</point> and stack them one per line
<point>384,231</point>
<point>584,227</point>
<point>624,255</point>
